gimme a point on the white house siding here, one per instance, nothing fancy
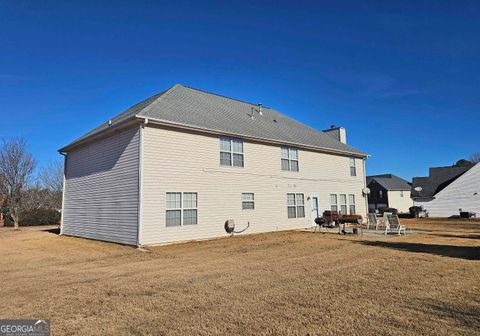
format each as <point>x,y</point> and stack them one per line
<point>187,162</point>
<point>402,204</point>
<point>101,190</point>
<point>462,193</point>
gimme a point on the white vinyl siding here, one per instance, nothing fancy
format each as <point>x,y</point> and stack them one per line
<point>231,152</point>
<point>181,208</point>
<point>289,159</point>
<point>463,193</point>
<point>248,201</point>
<point>101,189</point>
<point>193,166</point>
<point>295,205</point>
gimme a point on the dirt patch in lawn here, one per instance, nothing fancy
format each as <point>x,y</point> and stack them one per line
<point>278,283</point>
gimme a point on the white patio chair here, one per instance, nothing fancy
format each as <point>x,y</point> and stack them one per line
<point>392,224</point>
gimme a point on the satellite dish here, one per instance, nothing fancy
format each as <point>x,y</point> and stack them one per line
<point>418,189</point>
<point>366,191</point>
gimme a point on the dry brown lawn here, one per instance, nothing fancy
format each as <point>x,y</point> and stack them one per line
<point>278,283</point>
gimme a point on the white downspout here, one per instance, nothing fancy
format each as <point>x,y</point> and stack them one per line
<point>140,185</point>
<point>63,191</point>
<point>365,186</point>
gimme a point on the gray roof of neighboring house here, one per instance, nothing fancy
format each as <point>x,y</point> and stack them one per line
<point>437,179</point>
<point>185,106</point>
<point>390,182</point>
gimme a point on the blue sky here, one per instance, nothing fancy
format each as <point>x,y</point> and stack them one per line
<point>403,78</point>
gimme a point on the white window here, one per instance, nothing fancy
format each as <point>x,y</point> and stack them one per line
<point>351,202</point>
<point>248,201</point>
<point>181,208</point>
<point>333,202</point>
<point>343,204</point>
<point>401,193</point>
<point>353,169</point>
<point>231,152</point>
<point>295,205</point>
<point>289,159</point>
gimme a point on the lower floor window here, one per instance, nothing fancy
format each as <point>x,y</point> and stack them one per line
<point>343,204</point>
<point>333,202</point>
<point>295,205</point>
<point>248,201</point>
<point>351,201</point>
<point>181,208</point>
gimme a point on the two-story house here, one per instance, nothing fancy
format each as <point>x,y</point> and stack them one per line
<point>178,165</point>
<point>389,191</point>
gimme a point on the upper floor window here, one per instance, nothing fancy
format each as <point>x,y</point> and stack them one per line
<point>401,193</point>
<point>231,152</point>
<point>248,201</point>
<point>289,159</point>
<point>353,168</point>
<point>380,193</point>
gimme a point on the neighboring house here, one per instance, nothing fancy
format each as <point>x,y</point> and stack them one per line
<point>446,190</point>
<point>389,191</point>
<point>178,165</point>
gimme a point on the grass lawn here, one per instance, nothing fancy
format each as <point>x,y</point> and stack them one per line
<point>278,283</point>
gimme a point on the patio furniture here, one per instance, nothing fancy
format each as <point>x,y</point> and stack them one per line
<point>392,224</point>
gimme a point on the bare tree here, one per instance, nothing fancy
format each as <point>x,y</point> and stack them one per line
<point>16,169</point>
<point>475,158</point>
<point>51,179</point>
<point>51,176</point>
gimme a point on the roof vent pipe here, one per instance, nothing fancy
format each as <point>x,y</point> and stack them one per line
<point>260,109</point>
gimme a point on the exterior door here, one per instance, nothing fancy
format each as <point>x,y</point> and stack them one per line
<point>315,212</point>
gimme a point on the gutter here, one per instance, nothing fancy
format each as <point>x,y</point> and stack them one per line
<point>144,120</point>
<point>100,133</point>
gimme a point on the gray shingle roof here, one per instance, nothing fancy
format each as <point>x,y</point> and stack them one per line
<point>203,110</point>
<point>438,178</point>
<point>390,182</point>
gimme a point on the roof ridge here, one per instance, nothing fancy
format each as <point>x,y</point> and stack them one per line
<point>223,96</point>
<point>159,97</point>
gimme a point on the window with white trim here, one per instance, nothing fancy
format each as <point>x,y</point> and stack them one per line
<point>248,201</point>
<point>181,208</point>
<point>351,204</point>
<point>343,204</point>
<point>333,202</point>
<point>353,168</point>
<point>289,159</point>
<point>380,193</point>
<point>295,205</point>
<point>401,193</point>
<point>231,152</point>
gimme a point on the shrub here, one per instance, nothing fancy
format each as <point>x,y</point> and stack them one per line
<point>415,211</point>
<point>392,210</point>
<point>39,216</point>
